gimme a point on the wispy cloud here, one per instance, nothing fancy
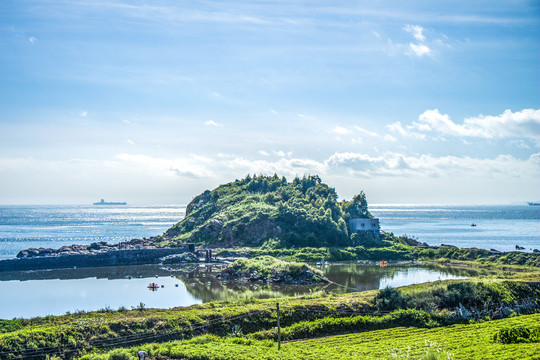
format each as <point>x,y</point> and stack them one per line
<point>83,114</point>
<point>340,130</point>
<point>213,123</point>
<point>416,31</point>
<point>395,164</point>
<point>420,49</point>
<point>194,166</point>
<point>32,39</point>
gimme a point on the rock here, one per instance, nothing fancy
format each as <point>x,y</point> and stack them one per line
<point>450,246</point>
<point>536,251</point>
<point>180,259</point>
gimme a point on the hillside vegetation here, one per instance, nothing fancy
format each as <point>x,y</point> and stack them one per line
<point>269,212</point>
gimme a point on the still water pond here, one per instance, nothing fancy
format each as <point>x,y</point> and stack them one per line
<point>55,292</point>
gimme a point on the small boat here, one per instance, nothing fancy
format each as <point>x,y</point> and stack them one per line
<point>473,224</point>
<point>533,204</point>
<point>153,286</point>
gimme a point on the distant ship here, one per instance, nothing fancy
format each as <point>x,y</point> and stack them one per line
<point>103,202</point>
<point>533,204</point>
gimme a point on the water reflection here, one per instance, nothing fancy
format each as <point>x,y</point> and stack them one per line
<point>40,293</point>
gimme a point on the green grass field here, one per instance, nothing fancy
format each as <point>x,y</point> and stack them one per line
<point>471,341</point>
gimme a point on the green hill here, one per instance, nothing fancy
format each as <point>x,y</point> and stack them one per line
<point>271,212</point>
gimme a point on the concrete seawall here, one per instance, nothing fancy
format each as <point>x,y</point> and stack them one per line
<point>109,258</point>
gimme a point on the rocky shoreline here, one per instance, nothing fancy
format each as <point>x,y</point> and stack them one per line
<point>133,252</point>
<point>92,249</point>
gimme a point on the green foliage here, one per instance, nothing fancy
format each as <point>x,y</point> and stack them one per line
<point>451,295</point>
<point>257,209</point>
<point>121,354</point>
<point>462,341</point>
<point>267,265</point>
<point>389,299</point>
<point>515,335</point>
<point>10,325</point>
<point>332,325</point>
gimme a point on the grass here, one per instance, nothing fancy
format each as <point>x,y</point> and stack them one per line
<point>463,341</point>
<point>267,265</point>
<point>304,316</point>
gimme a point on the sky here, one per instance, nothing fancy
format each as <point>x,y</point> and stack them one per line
<point>153,102</point>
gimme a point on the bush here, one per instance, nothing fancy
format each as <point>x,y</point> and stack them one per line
<point>389,299</point>
<point>515,335</point>
<point>120,354</point>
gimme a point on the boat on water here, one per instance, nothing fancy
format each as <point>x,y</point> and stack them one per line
<point>152,286</point>
<point>533,204</point>
<point>103,202</point>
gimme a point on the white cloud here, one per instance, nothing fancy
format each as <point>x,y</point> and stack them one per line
<point>419,49</point>
<point>365,131</point>
<point>263,153</point>
<point>83,114</point>
<point>520,124</point>
<point>129,141</point>
<point>305,116</point>
<point>32,39</point>
<point>524,124</point>
<point>395,164</point>
<point>212,123</point>
<point>416,31</point>
<point>193,166</point>
<point>217,95</point>
<point>283,167</point>
<point>340,130</point>
<point>397,128</point>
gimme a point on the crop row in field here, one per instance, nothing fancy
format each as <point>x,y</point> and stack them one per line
<point>464,341</point>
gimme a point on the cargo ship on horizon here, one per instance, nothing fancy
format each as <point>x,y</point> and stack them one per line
<point>103,202</point>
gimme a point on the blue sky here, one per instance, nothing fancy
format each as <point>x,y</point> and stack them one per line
<point>152,102</point>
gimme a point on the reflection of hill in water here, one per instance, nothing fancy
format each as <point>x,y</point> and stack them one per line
<point>110,273</point>
<point>360,277</point>
<point>203,285</point>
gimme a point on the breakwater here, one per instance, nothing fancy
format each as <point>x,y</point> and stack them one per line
<point>108,258</point>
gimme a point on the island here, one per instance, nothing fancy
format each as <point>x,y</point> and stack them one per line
<point>302,219</point>
<point>271,231</point>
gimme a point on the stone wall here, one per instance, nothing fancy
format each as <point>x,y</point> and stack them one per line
<point>109,258</point>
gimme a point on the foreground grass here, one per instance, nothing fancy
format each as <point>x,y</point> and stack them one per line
<point>470,341</point>
<point>73,334</point>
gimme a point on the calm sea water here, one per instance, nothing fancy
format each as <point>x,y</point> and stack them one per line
<point>23,227</point>
<point>497,227</point>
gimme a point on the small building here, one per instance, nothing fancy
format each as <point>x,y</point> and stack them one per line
<point>368,225</point>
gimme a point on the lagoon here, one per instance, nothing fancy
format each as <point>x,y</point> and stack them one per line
<point>56,292</point>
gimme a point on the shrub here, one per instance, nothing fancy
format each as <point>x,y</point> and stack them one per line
<point>515,335</point>
<point>389,299</point>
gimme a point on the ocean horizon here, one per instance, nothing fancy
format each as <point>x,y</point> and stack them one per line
<point>499,227</point>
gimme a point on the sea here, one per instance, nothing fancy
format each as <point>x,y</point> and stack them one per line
<point>55,292</point>
<point>499,227</point>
